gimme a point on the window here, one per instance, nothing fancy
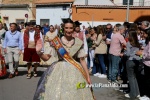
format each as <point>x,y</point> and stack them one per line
<point>18,21</point>
<point>125,2</point>
<point>64,8</point>
<point>44,21</point>
<point>6,19</point>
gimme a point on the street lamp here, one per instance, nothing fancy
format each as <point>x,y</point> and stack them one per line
<point>127,15</point>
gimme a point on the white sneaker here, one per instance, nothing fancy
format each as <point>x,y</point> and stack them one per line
<point>127,95</point>
<point>97,74</point>
<point>109,81</point>
<point>144,98</point>
<point>102,76</point>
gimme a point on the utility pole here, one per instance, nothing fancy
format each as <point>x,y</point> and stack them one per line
<point>92,20</point>
<point>127,15</point>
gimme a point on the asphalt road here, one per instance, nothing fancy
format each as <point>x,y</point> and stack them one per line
<point>20,88</point>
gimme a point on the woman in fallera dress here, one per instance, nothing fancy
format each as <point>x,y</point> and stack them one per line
<point>59,81</point>
<point>47,48</point>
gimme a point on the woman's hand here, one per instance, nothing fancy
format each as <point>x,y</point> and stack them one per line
<point>108,42</point>
<point>104,37</point>
<point>39,45</point>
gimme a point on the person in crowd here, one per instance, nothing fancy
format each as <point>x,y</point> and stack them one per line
<point>47,48</point>
<point>29,40</point>
<point>145,25</point>
<point>91,47</point>
<point>5,26</point>
<point>22,25</point>
<point>67,72</point>
<point>115,30</point>
<point>13,48</point>
<point>2,67</point>
<point>126,25</point>
<point>21,62</point>
<point>101,50</point>
<point>87,33</point>
<point>146,60</point>
<point>83,29</point>
<point>117,41</point>
<point>77,33</point>
<point>38,27</point>
<point>46,28</point>
<point>132,64</point>
<point>108,41</point>
<point>108,32</point>
<point>61,30</point>
<point>142,39</point>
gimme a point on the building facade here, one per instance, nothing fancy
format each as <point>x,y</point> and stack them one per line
<point>97,15</point>
<point>52,12</point>
<point>100,14</point>
<point>132,2</point>
<point>15,11</point>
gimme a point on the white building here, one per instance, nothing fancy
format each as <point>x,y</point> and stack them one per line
<point>15,13</point>
<point>93,2</point>
<point>132,2</point>
<point>52,12</point>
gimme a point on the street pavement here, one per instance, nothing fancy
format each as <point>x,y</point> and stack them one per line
<point>20,88</point>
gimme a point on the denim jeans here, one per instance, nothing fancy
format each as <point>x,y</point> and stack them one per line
<point>102,64</point>
<point>94,68</point>
<point>134,89</point>
<point>113,67</point>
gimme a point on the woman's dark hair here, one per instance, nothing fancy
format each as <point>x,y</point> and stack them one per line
<point>133,26</point>
<point>51,26</point>
<point>126,24</point>
<point>68,20</point>
<point>39,27</point>
<point>100,30</point>
<point>92,29</point>
<point>148,37</point>
<point>133,39</point>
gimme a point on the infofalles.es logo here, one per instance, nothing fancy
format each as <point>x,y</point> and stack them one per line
<point>82,85</point>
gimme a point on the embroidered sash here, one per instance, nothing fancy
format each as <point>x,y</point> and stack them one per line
<point>65,55</point>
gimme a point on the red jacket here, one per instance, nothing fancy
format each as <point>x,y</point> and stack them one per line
<point>26,37</point>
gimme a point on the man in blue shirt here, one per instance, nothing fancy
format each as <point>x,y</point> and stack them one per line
<point>46,28</point>
<point>13,47</point>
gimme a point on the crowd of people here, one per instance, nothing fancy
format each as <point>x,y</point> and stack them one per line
<point>119,52</point>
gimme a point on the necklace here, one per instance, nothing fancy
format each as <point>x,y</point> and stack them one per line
<point>67,43</point>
